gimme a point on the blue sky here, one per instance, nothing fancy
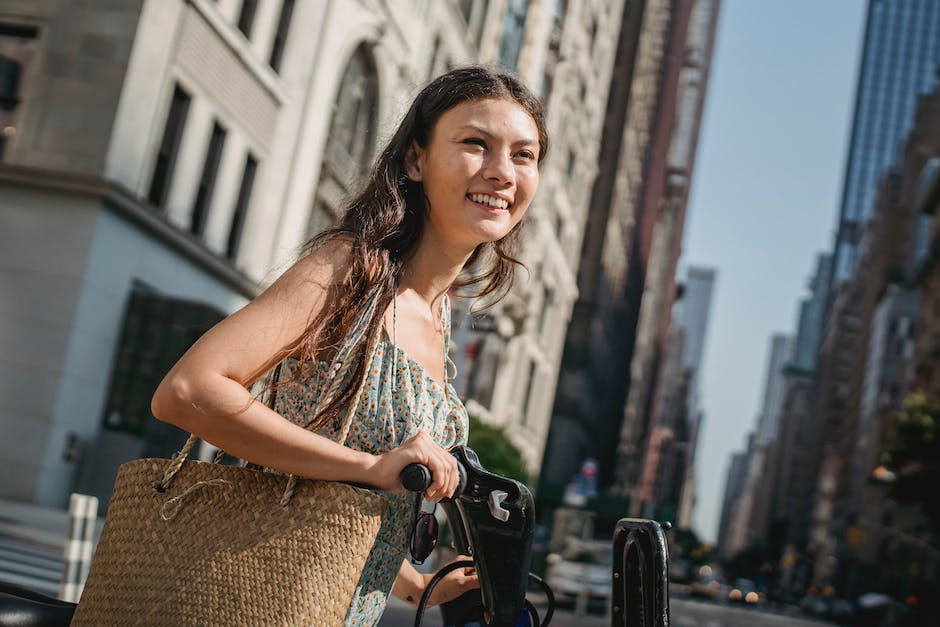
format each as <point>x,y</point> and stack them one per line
<point>765,198</point>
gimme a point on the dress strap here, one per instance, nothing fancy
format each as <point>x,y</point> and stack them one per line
<point>445,321</point>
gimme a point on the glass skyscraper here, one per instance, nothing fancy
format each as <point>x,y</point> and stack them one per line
<point>900,62</point>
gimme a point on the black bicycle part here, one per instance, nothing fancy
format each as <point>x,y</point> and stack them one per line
<point>550,596</point>
<point>436,579</point>
<point>417,478</point>
<point>533,614</point>
<point>497,515</point>
<point>22,607</point>
<point>640,595</point>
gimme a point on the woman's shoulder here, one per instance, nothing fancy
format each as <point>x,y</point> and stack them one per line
<point>329,259</point>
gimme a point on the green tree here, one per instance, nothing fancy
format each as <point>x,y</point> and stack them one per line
<point>915,456</point>
<point>496,452</point>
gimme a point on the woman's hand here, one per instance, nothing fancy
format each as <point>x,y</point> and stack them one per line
<point>454,584</point>
<point>423,450</point>
<point>410,584</point>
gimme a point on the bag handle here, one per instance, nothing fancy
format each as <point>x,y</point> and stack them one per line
<point>339,369</point>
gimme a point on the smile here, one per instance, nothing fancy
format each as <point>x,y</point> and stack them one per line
<point>491,202</point>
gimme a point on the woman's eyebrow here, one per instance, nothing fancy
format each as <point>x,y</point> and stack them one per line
<point>482,131</point>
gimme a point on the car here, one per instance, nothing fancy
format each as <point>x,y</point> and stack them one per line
<point>581,574</point>
<point>744,591</point>
<point>706,584</point>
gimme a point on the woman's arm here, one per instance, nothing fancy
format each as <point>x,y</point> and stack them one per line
<point>205,392</point>
<point>410,584</point>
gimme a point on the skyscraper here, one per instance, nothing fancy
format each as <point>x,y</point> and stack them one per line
<point>902,51</point>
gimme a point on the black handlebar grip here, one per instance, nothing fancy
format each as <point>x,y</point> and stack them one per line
<point>415,477</point>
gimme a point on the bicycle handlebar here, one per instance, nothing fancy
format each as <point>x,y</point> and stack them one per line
<point>417,477</point>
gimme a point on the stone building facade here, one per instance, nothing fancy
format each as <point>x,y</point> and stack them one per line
<point>650,129</point>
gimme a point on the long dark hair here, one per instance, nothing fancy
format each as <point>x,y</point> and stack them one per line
<point>384,222</point>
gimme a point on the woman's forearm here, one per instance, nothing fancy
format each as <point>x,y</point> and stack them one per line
<point>224,413</point>
<point>410,584</point>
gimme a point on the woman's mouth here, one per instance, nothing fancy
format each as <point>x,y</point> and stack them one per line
<point>491,203</point>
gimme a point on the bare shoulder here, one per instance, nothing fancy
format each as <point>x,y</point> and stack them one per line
<point>309,279</point>
<point>280,315</point>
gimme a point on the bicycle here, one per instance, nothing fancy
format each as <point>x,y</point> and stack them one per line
<point>492,519</point>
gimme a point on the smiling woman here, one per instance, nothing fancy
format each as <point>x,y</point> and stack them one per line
<point>479,171</point>
<point>366,308</point>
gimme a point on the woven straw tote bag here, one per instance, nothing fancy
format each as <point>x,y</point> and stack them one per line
<point>198,543</point>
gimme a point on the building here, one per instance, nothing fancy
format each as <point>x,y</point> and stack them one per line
<point>641,112</point>
<point>658,228</point>
<point>771,503</point>
<point>590,393</point>
<point>749,512</point>
<point>894,70</point>
<point>881,297</point>
<point>164,160</point>
<point>791,467</point>
<point>734,484</point>
<point>667,487</point>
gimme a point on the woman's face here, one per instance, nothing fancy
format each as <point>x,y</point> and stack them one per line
<point>479,170</point>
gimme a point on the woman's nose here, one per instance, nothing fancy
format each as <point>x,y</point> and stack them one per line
<point>498,168</point>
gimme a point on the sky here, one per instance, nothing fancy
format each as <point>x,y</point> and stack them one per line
<point>764,199</point>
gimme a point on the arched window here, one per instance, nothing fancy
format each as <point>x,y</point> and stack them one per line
<point>350,141</point>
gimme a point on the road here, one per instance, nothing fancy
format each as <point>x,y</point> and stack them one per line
<point>684,613</point>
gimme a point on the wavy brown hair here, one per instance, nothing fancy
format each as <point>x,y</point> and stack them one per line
<point>384,222</point>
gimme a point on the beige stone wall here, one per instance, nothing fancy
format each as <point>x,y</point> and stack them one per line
<point>73,82</point>
<point>45,242</point>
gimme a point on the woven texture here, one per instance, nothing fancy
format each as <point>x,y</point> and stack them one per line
<point>217,548</point>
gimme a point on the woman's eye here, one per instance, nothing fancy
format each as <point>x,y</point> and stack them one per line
<point>526,154</point>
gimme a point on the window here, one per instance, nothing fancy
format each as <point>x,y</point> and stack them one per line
<point>9,83</point>
<point>17,45</point>
<point>350,141</point>
<point>466,10</point>
<point>19,31</point>
<point>9,97</point>
<point>169,147</point>
<point>355,109</point>
<point>548,302</point>
<point>533,380</point>
<point>247,17</point>
<point>207,181</point>
<point>280,37</point>
<point>513,31</point>
<point>156,331</point>
<point>241,207</point>
<point>432,61</point>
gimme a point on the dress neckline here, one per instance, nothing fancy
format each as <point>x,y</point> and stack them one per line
<point>445,342</point>
<point>411,360</point>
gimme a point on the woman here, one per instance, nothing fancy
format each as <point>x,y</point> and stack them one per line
<point>449,190</point>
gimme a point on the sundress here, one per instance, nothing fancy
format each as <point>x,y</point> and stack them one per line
<point>398,399</point>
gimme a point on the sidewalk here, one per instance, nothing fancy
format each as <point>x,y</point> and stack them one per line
<point>32,539</point>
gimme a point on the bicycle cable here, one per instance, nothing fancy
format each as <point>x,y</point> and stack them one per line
<point>446,570</point>
<point>549,595</point>
<point>436,579</point>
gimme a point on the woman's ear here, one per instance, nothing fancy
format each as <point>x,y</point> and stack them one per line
<point>413,162</point>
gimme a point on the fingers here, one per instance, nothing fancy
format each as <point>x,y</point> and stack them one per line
<point>455,584</point>
<point>440,462</point>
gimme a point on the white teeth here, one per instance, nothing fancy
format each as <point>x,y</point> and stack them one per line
<point>497,203</point>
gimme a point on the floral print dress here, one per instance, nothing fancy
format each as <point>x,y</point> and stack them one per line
<point>398,399</point>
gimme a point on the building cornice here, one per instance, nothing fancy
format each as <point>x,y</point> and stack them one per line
<point>122,202</point>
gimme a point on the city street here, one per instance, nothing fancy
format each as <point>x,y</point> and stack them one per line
<point>684,613</point>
